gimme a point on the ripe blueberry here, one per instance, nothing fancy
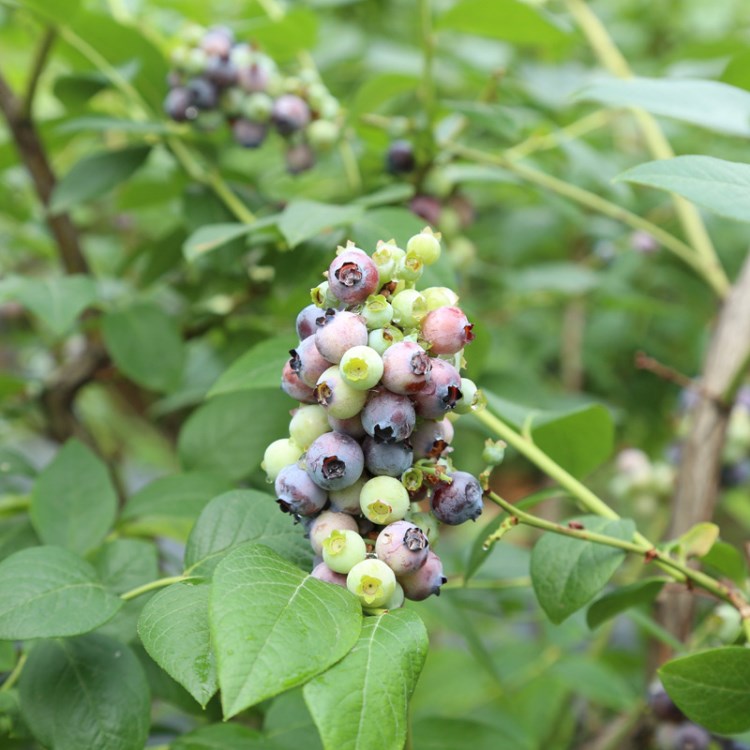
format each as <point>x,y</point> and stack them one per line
<point>351,426</point>
<point>294,387</point>
<point>297,494</point>
<point>400,158</point>
<point>403,547</point>
<point>247,133</point>
<point>432,438</point>
<point>347,500</point>
<point>388,417</point>
<point>441,393</point>
<point>290,114</point>
<point>390,460</point>
<point>308,362</point>
<point>425,581</point>
<point>337,332</point>
<point>179,104</point>
<point>334,461</point>
<point>299,158</point>
<point>306,321</point>
<point>353,276</point>
<point>406,368</point>
<point>458,501</point>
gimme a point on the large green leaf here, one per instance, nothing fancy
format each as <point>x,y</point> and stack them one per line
<point>301,220</point>
<point>712,688</point>
<point>145,345</point>
<point>96,175</point>
<point>243,516</point>
<point>567,573</point>
<point>57,302</point>
<point>274,627</point>
<point>719,185</point>
<point>444,733</point>
<point>260,367</point>
<point>600,683</point>
<point>60,11</point>
<point>46,592</point>
<point>74,502</point>
<point>208,238</point>
<point>708,104</point>
<point>229,433</point>
<point>625,597</point>
<point>362,701</point>
<point>511,20</point>
<point>87,692</point>
<point>173,628</point>
<point>223,737</point>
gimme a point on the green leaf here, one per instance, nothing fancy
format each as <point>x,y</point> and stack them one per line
<point>728,561</point>
<point>595,680</point>
<point>698,540</point>
<point>16,534</point>
<point>124,564</point>
<point>289,724</point>
<point>282,38</point>
<point>87,692</point>
<point>74,503</point>
<point>95,175</point>
<point>209,237</point>
<point>48,592</point>
<point>712,688</point>
<point>568,279</point>
<point>363,700</point>
<point>173,628</point>
<point>622,598</point>
<point>243,516</point>
<point>56,302</point>
<point>379,89</point>
<point>442,733</point>
<point>259,367</point>
<point>708,104</point>
<point>229,433</point>
<point>101,123</point>
<point>384,224</point>
<point>222,737</point>
<point>145,345</point>
<point>60,11</point>
<point>567,573</point>
<point>721,186</point>
<point>181,496</point>
<point>301,220</point>
<point>737,72</point>
<point>273,626</point>
<point>510,20</point>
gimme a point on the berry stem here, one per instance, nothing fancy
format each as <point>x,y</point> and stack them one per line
<point>157,584</point>
<point>14,675</point>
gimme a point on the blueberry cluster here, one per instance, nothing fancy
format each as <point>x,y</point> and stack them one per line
<point>377,375</point>
<point>216,79</point>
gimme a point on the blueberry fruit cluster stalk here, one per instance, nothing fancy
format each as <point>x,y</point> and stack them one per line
<point>367,466</point>
<point>215,79</point>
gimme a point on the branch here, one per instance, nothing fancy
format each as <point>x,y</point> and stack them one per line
<point>40,62</point>
<point>34,157</point>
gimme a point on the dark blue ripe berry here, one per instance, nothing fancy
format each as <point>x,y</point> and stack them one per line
<point>441,394</point>
<point>221,72</point>
<point>205,94</point>
<point>432,438</point>
<point>388,417</point>
<point>334,461</point>
<point>299,158</point>
<point>662,706</point>
<point>179,104</point>
<point>691,737</point>
<point>400,158</point>
<point>247,133</point>
<point>297,494</point>
<point>386,459</point>
<point>290,114</point>
<point>424,581</point>
<point>458,501</point>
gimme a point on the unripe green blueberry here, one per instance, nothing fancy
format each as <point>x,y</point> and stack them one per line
<point>361,367</point>
<point>257,107</point>
<point>381,338</point>
<point>322,296</point>
<point>439,296</point>
<point>329,107</point>
<point>395,601</point>
<point>384,500</point>
<point>372,582</point>
<point>377,312</point>
<point>469,396</point>
<point>322,134</point>
<point>386,257</point>
<point>337,396</point>
<point>347,500</point>
<point>196,61</point>
<point>326,523</point>
<point>280,453</point>
<point>409,307</point>
<point>342,550</point>
<point>425,245</point>
<point>410,268</point>
<point>308,423</point>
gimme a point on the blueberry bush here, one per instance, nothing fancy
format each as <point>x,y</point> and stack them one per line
<point>373,374</point>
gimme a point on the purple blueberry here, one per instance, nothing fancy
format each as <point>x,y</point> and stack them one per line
<point>221,72</point>
<point>327,522</point>
<point>400,158</point>
<point>432,438</point>
<point>403,547</point>
<point>691,737</point>
<point>217,41</point>
<point>427,207</point>
<point>205,94</point>
<point>447,330</point>
<point>299,158</point>
<point>351,427</point>
<point>306,321</point>
<point>337,332</point>
<point>441,393</point>
<point>662,706</point>
<point>335,461</point>
<point>179,104</point>
<point>323,573</point>
<point>253,78</point>
<point>458,500</point>
<point>307,361</point>
<point>297,494</point>
<point>247,133</point>
<point>294,387</point>
<point>353,276</point>
<point>388,417</point>
<point>290,113</point>
<point>406,368</point>
<point>425,581</point>
<point>386,459</point>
